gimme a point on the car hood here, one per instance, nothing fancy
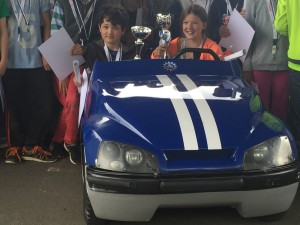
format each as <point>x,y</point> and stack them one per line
<point>182,112</point>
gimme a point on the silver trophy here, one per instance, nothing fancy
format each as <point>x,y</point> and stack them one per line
<point>140,33</point>
<point>164,22</point>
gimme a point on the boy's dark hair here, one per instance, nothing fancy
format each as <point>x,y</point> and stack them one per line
<point>117,15</point>
<point>197,10</point>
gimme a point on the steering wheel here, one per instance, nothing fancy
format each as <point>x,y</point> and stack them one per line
<point>196,53</point>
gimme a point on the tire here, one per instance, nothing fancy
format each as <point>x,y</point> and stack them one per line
<point>273,217</point>
<point>88,212</point>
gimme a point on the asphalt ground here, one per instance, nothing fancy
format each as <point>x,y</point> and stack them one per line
<point>51,194</point>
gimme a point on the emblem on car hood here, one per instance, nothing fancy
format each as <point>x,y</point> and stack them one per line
<point>169,66</point>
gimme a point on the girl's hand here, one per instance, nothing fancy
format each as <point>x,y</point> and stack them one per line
<point>160,51</point>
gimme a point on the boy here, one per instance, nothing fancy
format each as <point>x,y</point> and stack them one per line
<point>113,23</point>
<point>79,18</point>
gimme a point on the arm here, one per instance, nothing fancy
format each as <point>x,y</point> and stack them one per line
<point>46,22</point>
<point>250,17</point>
<point>4,44</point>
<point>214,22</point>
<point>280,23</point>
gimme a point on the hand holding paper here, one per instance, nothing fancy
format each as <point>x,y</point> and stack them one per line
<point>241,34</point>
<point>56,51</point>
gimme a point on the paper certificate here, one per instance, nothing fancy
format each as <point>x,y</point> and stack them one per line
<point>56,51</point>
<point>241,34</point>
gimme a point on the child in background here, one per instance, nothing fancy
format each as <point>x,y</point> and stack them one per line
<point>3,61</point>
<point>27,82</point>
<point>267,58</point>
<point>79,18</point>
<point>220,10</point>
<point>194,24</point>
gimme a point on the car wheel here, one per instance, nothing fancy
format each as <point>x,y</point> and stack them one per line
<point>89,215</point>
<point>273,217</point>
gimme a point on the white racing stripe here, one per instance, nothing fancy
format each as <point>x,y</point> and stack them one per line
<point>206,115</point>
<point>184,118</point>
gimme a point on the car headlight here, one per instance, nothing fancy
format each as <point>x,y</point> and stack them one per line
<point>116,156</point>
<point>272,153</point>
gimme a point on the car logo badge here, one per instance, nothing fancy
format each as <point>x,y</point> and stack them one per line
<point>170,66</point>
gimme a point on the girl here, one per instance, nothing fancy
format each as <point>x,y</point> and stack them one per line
<point>194,24</point>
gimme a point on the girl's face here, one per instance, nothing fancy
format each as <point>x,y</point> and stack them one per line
<point>193,27</point>
<point>111,34</point>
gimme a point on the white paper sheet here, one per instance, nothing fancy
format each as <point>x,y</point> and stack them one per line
<point>241,34</point>
<point>56,51</point>
<point>83,92</point>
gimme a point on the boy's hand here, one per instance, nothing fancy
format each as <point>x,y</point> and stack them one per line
<point>63,86</point>
<point>77,49</point>
<point>45,64</point>
<point>224,31</point>
<point>243,13</point>
<point>2,68</point>
<point>78,85</point>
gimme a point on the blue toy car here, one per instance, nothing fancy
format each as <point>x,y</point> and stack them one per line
<point>181,133</point>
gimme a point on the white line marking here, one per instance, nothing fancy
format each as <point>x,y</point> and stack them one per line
<point>207,117</point>
<point>184,118</point>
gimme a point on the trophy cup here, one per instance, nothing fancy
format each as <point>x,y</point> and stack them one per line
<point>164,22</point>
<point>140,33</point>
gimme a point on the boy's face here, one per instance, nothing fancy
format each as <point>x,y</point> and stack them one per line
<point>111,34</point>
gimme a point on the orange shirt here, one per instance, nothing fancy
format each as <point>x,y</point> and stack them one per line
<point>174,47</point>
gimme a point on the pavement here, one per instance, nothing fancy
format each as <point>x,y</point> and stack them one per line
<point>41,194</point>
<point>51,194</point>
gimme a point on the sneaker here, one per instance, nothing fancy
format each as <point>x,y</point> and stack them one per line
<point>37,154</point>
<point>13,155</point>
<point>58,150</point>
<point>74,153</point>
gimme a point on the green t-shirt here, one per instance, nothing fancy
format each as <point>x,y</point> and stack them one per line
<point>3,9</point>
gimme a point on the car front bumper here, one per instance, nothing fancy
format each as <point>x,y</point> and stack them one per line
<point>136,198</point>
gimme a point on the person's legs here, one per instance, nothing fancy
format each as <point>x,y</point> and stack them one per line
<point>72,111</point>
<point>263,80</point>
<point>293,104</point>
<point>60,130</point>
<point>39,100</point>
<point>15,86</point>
<point>40,105</point>
<point>280,95</point>
<point>3,138</point>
